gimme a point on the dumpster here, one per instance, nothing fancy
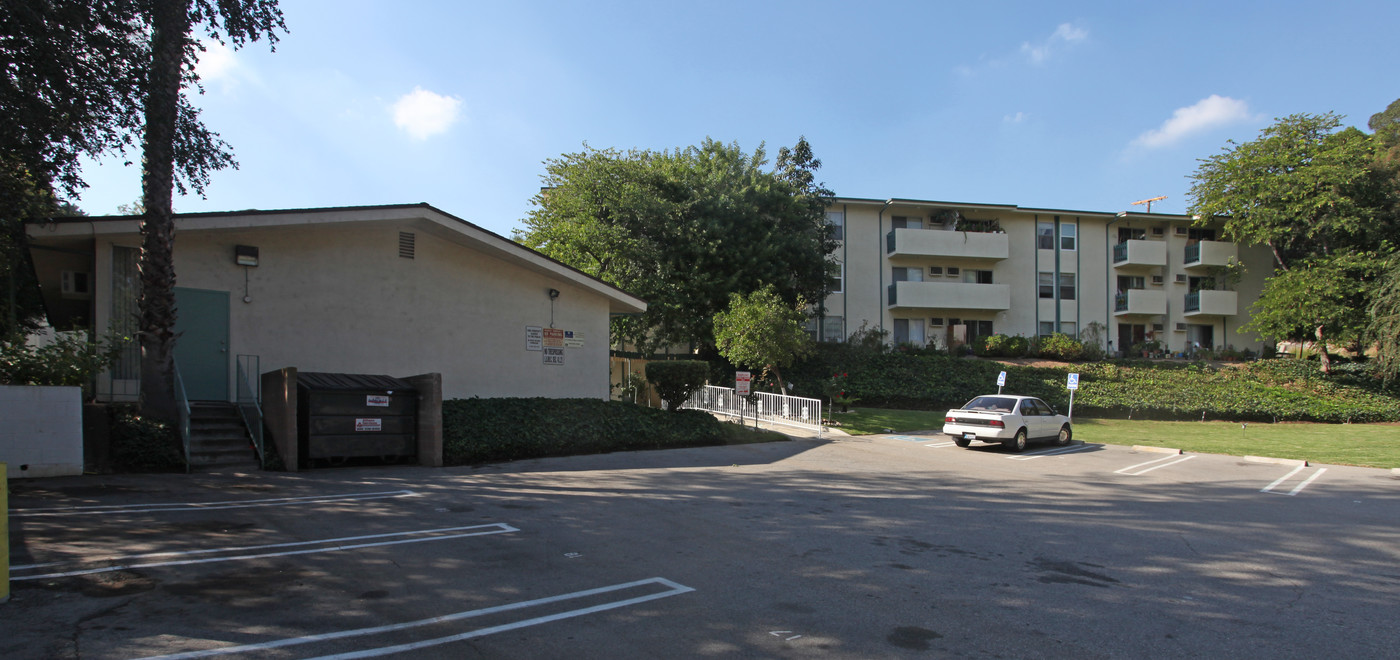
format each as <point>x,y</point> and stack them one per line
<point>355,416</point>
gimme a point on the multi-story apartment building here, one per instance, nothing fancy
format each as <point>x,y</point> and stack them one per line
<point>938,273</point>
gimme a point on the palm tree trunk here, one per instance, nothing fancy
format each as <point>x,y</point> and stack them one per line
<point>170,22</point>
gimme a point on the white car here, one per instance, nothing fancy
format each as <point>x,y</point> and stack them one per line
<point>1007,419</point>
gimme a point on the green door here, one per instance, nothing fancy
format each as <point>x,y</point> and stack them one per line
<point>201,343</point>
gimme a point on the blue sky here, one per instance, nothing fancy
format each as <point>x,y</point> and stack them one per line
<point>1069,105</point>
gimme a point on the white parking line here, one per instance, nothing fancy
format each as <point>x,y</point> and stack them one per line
<point>941,444</point>
<point>204,506</point>
<point>1174,460</point>
<point>672,589</point>
<point>477,530</point>
<point>1296,489</point>
<point>1052,452</point>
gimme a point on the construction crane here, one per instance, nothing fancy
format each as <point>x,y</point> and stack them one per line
<point>1148,202</point>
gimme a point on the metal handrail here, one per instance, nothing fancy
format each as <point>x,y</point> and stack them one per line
<point>781,409</point>
<point>250,402</point>
<point>1120,252</point>
<point>182,409</point>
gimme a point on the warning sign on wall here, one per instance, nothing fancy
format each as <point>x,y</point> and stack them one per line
<point>553,356</point>
<point>369,424</point>
<point>534,338</point>
<point>554,337</point>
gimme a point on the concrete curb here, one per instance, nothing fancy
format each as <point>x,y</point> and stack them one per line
<point>1276,461</point>
<point>1157,450</point>
<point>1395,471</point>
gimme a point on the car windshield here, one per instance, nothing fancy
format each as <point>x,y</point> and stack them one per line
<point>998,404</point>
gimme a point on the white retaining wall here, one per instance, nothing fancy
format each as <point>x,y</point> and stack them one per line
<point>41,430</point>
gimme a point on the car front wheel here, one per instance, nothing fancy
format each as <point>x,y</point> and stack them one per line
<point>1017,443</point>
<point>1065,436</point>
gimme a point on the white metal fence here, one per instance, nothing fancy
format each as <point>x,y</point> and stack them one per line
<point>771,408</point>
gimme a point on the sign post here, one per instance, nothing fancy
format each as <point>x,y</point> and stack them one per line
<point>741,390</point>
<point>1001,381</point>
<point>1072,384</point>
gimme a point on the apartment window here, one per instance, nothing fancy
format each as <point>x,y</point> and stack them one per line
<point>904,222</point>
<point>1126,234</point>
<point>834,284</point>
<point>837,220</point>
<point>1200,234</point>
<point>1129,282</point>
<point>977,276</point>
<point>977,329</point>
<point>1068,232</point>
<point>1066,286</point>
<point>1047,285</point>
<point>833,329</point>
<point>1047,328</point>
<point>1070,328</point>
<point>909,331</point>
<point>810,326</point>
<point>935,270</point>
<point>902,274</point>
<point>936,321</point>
<point>1045,235</point>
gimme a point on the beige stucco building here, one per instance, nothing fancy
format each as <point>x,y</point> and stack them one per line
<point>396,290</point>
<point>931,273</point>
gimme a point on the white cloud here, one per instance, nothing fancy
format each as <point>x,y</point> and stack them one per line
<point>1016,118</point>
<point>1065,34</point>
<point>423,114</point>
<point>1208,113</point>
<point>219,64</point>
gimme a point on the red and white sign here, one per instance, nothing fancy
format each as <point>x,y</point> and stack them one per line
<point>369,424</point>
<point>554,337</point>
<point>741,382</point>
<point>376,401</point>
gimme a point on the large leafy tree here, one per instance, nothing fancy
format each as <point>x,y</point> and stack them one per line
<point>1385,319</point>
<point>684,229</point>
<point>92,77</point>
<point>762,331</point>
<point>1317,197</point>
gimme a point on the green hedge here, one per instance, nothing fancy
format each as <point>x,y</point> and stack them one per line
<point>1269,390</point>
<point>676,380</point>
<point>491,430</point>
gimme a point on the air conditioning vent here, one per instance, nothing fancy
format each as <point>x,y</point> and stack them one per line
<point>952,271</point>
<point>1158,231</point>
<point>406,244</point>
<point>1180,231</point>
<point>76,285</point>
<point>935,321</point>
<point>1156,327</point>
<point>1156,279</point>
<point>1181,278</point>
<point>935,270</point>
<point>1181,327</point>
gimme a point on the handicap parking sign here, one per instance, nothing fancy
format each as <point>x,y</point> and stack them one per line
<point>1073,383</point>
<point>1001,379</point>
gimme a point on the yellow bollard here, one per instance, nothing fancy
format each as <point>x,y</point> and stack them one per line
<point>4,534</point>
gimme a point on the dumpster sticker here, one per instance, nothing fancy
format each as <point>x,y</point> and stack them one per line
<point>534,337</point>
<point>553,356</point>
<point>369,424</point>
<point>377,400</point>
<point>553,337</point>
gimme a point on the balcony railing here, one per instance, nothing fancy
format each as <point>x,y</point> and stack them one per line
<point>949,295</point>
<point>1140,302</point>
<point>1213,303</point>
<point>1209,254</point>
<point>947,243</point>
<point>1138,252</point>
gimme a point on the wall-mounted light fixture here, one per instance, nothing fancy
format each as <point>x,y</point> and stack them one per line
<point>245,255</point>
<point>553,293</point>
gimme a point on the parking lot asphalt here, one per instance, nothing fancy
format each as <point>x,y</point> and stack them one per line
<point>870,547</point>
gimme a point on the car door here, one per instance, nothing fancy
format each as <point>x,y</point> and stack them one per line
<point>1048,422</point>
<point>1038,418</point>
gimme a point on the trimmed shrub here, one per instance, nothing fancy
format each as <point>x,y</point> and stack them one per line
<point>492,430</point>
<point>676,380</point>
<point>1060,346</point>
<point>141,444</point>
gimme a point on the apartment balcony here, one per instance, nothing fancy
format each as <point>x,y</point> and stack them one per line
<point>1140,254</point>
<point>1209,254</point>
<point>1140,302</point>
<point>1211,303</point>
<point>947,244</point>
<point>949,295</point>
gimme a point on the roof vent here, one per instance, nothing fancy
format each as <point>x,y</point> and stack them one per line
<point>406,239</point>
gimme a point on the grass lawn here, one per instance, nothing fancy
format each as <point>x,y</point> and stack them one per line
<point>1368,445</point>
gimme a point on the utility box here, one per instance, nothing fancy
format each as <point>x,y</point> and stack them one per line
<point>355,416</point>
